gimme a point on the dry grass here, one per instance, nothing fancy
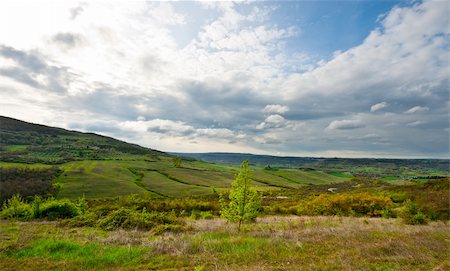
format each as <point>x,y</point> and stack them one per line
<point>273,243</point>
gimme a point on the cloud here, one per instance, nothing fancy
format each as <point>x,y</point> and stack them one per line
<point>415,123</point>
<point>31,68</point>
<point>345,125</point>
<point>417,109</point>
<point>231,76</point>
<point>68,40</point>
<point>272,121</point>
<point>378,106</point>
<point>275,108</point>
<point>76,11</point>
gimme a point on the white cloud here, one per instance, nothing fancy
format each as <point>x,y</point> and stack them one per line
<point>272,121</point>
<point>378,106</point>
<point>417,109</point>
<point>392,56</point>
<point>415,123</point>
<point>276,108</point>
<point>124,65</point>
<point>345,125</point>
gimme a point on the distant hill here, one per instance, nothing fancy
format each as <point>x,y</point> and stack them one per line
<point>374,167</point>
<point>26,142</point>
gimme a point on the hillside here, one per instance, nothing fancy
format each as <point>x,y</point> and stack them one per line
<point>94,166</point>
<point>369,167</point>
<point>25,142</point>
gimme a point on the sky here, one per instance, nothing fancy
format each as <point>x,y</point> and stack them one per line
<point>294,78</point>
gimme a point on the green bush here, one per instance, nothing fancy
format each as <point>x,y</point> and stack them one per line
<point>354,204</point>
<point>388,213</point>
<point>411,214</point>
<point>131,219</point>
<point>206,215</point>
<point>88,219</point>
<point>419,219</point>
<point>54,209</point>
<point>16,208</point>
<point>195,214</point>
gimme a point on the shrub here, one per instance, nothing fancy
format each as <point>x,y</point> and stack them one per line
<point>88,219</point>
<point>206,215</point>
<point>388,213</point>
<point>16,208</point>
<point>345,204</point>
<point>53,209</point>
<point>131,219</point>
<point>411,214</point>
<point>36,205</point>
<point>195,214</point>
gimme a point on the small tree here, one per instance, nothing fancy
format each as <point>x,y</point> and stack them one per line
<point>176,161</point>
<point>244,202</point>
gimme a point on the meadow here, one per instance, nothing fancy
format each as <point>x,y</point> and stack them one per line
<point>273,243</point>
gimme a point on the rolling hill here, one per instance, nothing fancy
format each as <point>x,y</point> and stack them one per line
<point>369,167</point>
<point>97,166</point>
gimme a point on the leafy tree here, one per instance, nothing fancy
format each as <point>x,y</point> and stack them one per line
<point>244,202</point>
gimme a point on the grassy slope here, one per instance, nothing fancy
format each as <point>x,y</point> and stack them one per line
<point>274,243</point>
<point>96,166</point>
<point>97,179</point>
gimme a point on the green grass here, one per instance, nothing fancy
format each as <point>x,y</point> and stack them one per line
<point>97,179</point>
<point>158,183</point>
<point>15,147</point>
<point>81,256</point>
<point>273,243</point>
<point>341,175</point>
<point>20,165</point>
<point>269,178</point>
<point>305,177</point>
<point>201,177</point>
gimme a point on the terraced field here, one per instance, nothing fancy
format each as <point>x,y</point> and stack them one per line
<point>160,178</point>
<point>96,179</point>
<point>163,186</point>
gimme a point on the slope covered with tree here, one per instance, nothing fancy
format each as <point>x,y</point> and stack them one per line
<point>34,143</point>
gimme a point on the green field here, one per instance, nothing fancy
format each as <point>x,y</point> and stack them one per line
<point>307,177</point>
<point>96,179</point>
<point>162,185</point>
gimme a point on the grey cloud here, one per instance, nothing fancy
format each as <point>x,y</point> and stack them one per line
<point>30,66</point>
<point>33,61</point>
<point>76,11</point>
<point>345,125</point>
<point>68,40</point>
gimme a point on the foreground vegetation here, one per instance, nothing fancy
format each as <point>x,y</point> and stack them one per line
<point>273,243</point>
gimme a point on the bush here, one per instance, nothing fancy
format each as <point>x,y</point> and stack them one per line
<point>88,219</point>
<point>357,204</point>
<point>53,209</point>
<point>206,215</point>
<point>388,213</point>
<point>131,219</point>
<point>411,214</point>
<point>196,214</point>
<point>16,208</point>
